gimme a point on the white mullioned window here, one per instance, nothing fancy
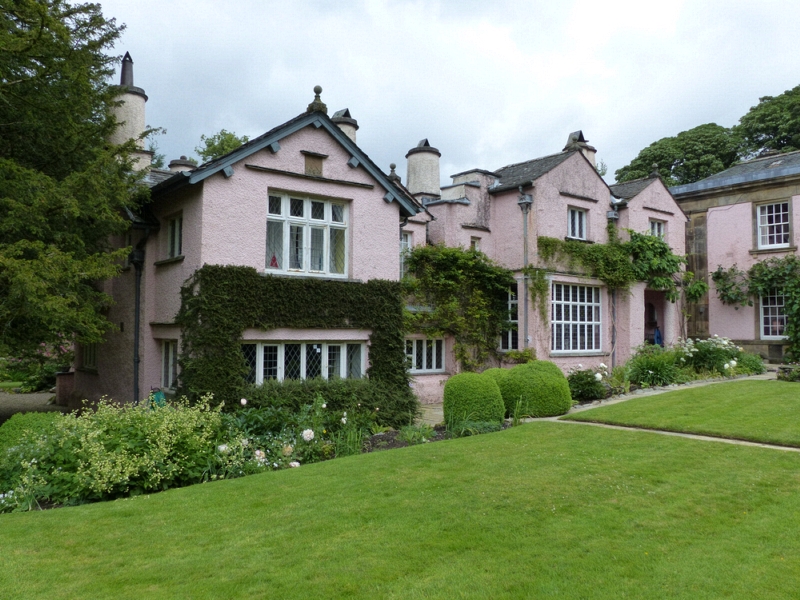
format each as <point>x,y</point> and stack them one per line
<point>773,225</point>
<point>425,355</point>
<point>657,228</point>
<point>169,364</point>
<point>510,338</point>
<point>306,235</point>
<point>773,315</point>
<point>303,360</point>
<point>406,238</point>
<point>175,237</point>
<point>577,224</point>
<point>575,318</point>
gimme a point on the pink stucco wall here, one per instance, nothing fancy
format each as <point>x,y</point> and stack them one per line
<point>731,241</point>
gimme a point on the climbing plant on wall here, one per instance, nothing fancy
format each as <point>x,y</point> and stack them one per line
<point>460,293</point>
<point>739,288</point>
<point>219,302</point>
<point>619,264</point>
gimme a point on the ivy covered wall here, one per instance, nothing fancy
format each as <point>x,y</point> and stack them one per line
<point>219,302</point>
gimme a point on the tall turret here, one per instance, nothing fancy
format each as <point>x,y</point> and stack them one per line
<point>422,176</point>
<point>346,122</point>
<point>130,115</point>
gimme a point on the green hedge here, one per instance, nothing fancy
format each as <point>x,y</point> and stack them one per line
<point>395,407</point>
<point>540,385</point>
<point>472,397</point>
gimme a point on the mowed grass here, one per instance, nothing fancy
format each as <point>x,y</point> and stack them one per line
<point>758,411</point>
<point>544,510</point>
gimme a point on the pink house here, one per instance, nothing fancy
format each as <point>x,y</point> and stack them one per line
<point>740,216</point>
<point>503,213</point>
<point>302,200</point>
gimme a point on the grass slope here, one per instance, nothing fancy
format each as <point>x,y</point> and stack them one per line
<point>758,411</point>
<point>543,510</point>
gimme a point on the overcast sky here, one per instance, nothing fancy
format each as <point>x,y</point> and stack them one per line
<point>488,82</point>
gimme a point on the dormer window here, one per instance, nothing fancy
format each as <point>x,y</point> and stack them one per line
<point>577,224</point>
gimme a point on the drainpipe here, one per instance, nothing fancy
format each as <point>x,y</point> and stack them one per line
<point>524,202</point>
<point>136,258</point>
<point>613,328</point>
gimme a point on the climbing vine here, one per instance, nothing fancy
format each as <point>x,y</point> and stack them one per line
<point>538,288</point>
<point>219,302</point>
<point>739,288</point>
<point>460,293</point>
<point>619,264</point>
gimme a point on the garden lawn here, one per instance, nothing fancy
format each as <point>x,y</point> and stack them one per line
<point>753,410</point>
<point>544,510</point>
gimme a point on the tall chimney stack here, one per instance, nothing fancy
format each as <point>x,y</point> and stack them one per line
<point>422,176</point>
<point>130,115</point>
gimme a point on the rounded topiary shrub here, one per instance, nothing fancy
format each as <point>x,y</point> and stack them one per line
<point>496,373</point>
<point>539,387</point>
<point>472,397</point>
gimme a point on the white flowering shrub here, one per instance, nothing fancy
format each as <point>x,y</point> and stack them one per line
<point>717,355</point>
<point>586,385</point>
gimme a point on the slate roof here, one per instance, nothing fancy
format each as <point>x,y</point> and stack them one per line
<point>522,174</point>
<point>629,189</point>
<point>156,176</point>
<point>758,169</point>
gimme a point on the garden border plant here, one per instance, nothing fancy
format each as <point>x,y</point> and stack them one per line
<point>219,302</point>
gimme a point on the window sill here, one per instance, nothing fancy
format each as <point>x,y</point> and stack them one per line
<point>418,373</point>
<point>566,353</point>
<point>774,338</point>
<point>169,261</point>
<point>573,239</point>
<point>774,250</point>
<point>309,275</point>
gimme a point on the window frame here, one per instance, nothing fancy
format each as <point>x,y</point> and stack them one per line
<point>658,228</point>
<point>305,229</point>
<point>582,217</point>
<point>574,308</point>
<point>436,359</point>
<point>175,236</point>
<point>89,356</point>
<point>258,368</point>
<point>510,338</point>
<point>762,230</point>
<point>406,245</point>
<point>169,364</point>
<point>776,311</point>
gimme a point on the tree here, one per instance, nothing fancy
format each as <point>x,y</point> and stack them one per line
<point>773,124</point>
<point>63,190</point>
<point>688,157</point>
<point>219,144</point>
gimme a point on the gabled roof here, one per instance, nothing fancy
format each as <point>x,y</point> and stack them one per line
<point>271,140</point>
<point>759,169</point>
<point>524,173</point>
<point>629,189</point>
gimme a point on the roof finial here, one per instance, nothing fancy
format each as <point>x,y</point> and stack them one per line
<point>392,175</point>
<point>317,105</point>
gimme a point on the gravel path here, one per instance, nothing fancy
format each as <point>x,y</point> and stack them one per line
<point>13,403</point>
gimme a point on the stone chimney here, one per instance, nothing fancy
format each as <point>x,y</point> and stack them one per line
<point>346,123</point>
<point>576,141</point>
<point>181,164</point>
<point>130,115</point>
<point>422,176</point>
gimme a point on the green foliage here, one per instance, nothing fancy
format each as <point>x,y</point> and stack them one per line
<point>789,374</point>
<point>63,190</point>
<point>750,364</point>
<point>538,288</point>
<point>541,387</point>
<point>519,357</point>
<point>468,298</point>
<point>586,385</point>
<point>120,451</point>
<point>219,144</point>
<point>219,302</point>
<point>735,287</point>
<point>653,366</point>
<point>13,430</point>
<point>472,397</point>
<point>688,157</point>
<point>773,124</point>
<point>416,434</point>
<point>618,264</point>
<point>496,373</point>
